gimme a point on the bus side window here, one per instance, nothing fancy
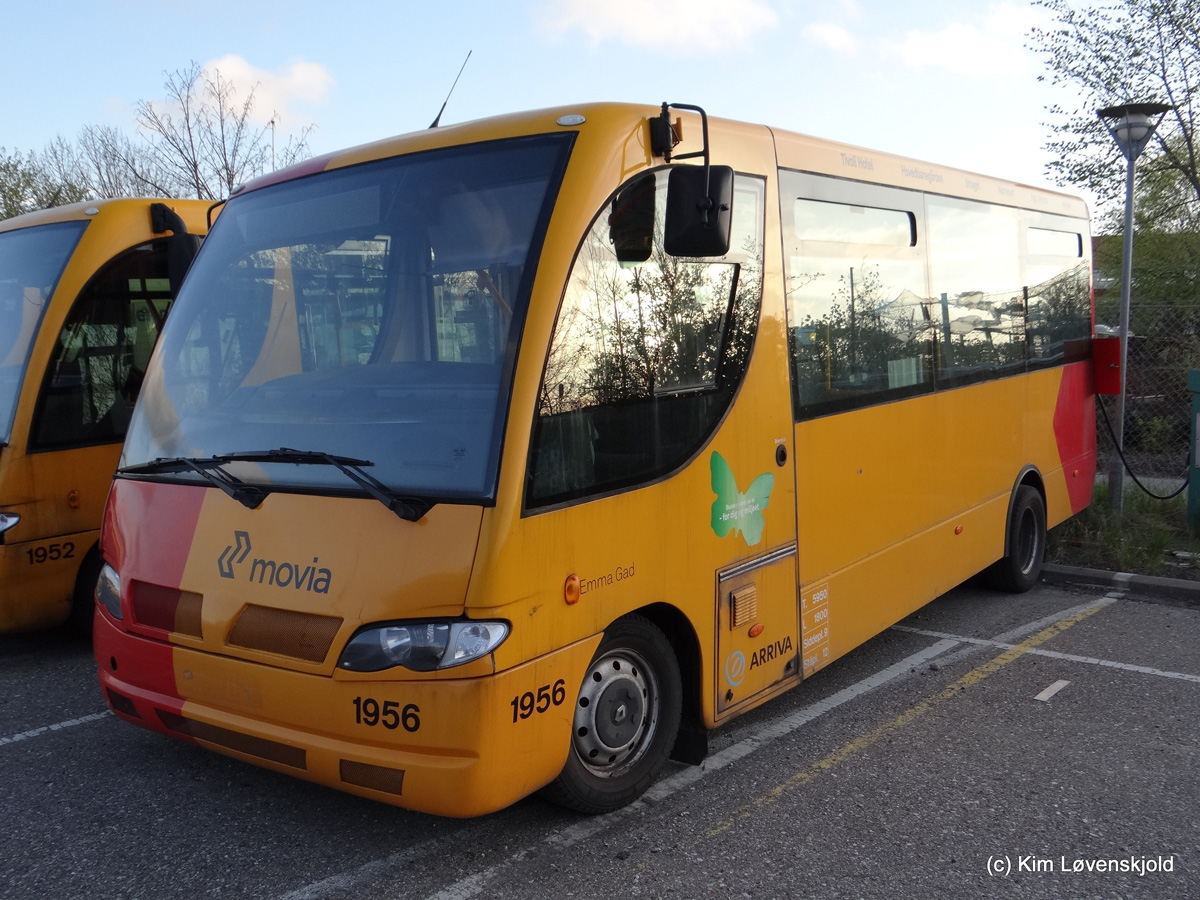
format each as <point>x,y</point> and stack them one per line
<point>101,354</point>
<point>1057,300</point>
<point>648,349</point>
<point>975,282</point>
<point>861,330</point>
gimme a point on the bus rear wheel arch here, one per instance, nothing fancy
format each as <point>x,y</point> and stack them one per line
<point>626,717</point>
<point>1024,541</point>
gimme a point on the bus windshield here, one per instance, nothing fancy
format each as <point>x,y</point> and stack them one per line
<point>370,313</point>
<point>31,262</point>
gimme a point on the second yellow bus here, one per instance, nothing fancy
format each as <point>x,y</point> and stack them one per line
<point>84,290</point>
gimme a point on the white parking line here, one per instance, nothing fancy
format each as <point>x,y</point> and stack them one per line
<point>376,868</point>
<point>1049,692</point>
<point>1053,654</point>
<point>475,884</point>
<point>57,726</point>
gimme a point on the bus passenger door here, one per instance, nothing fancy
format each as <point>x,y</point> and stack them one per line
<point>86,400</point>
<point>753,482</point>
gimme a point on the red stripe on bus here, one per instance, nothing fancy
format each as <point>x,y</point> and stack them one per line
<point>1075,432</point>
<point>150,529</point>
<point>149,532</point>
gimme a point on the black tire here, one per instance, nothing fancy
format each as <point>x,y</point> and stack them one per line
<point>83,601</point>
<point>1026,541</point>
<point>626,718</point>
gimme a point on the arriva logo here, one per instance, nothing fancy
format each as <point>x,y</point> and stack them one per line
<point>307,577</point>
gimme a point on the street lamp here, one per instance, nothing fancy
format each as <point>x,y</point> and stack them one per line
<point>1131,126</point>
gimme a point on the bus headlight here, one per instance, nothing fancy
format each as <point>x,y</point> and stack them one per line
<point>421,646</point>
<point>108,591</point>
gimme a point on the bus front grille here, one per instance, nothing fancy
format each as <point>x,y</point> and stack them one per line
<point>167,608</point>
<point>274,751</point>
<point>299,635</point>
<point>122,704</point>
<point>376,778</point>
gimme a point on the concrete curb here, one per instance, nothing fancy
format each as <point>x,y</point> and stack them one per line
<point>1142,585</point>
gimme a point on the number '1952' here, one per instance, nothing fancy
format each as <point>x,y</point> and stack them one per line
<point>51,553</point>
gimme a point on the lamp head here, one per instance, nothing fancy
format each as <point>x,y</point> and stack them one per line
<point>1132,125</point>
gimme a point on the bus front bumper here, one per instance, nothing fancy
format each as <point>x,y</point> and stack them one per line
<point>451,747</point>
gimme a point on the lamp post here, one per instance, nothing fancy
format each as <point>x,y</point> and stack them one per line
<point>1131,126</point>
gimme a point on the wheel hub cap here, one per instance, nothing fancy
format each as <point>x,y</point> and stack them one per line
<point>614,714</point>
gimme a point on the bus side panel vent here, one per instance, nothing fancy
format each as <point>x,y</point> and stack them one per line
<point>743,606</point>
<point>375,778</point>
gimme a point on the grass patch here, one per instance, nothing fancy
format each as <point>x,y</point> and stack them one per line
<point>1149,538</point>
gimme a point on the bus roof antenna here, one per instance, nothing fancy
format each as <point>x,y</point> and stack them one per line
<point>452,87</point>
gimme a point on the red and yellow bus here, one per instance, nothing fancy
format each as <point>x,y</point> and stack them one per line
<point>518,454</point>
<point>83,291</point>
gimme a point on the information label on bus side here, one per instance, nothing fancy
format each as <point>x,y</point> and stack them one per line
<point>814,629</point>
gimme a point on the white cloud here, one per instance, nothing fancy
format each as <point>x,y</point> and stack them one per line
<point>684,26</point>
<point>850,10</point>
<point>277,93</point>
<point>835,37</point>
<point>993,48</point>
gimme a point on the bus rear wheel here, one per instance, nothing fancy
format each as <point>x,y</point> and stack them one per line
<point>1026,541</point>
<point>626,717</point>
<point>83,598</point>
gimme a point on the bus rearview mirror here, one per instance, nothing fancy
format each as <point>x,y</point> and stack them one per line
<point>699,211</point>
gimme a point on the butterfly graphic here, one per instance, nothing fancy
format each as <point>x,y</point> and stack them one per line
<point>734,510</point>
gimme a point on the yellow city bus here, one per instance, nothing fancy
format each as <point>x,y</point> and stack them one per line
<point>83,291</point>
<point>517,454</point>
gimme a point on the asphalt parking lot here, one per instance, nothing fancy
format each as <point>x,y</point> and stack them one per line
<point>1044,745</point>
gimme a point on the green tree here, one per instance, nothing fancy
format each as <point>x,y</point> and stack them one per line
<point>17,180</point>
<point>1122,51</point>
<point>31,181</point>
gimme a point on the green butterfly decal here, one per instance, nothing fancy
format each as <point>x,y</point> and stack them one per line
<point>733,510</point>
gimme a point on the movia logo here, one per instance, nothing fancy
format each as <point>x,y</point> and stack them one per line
<point>234,553</point>
<point>303,577</point>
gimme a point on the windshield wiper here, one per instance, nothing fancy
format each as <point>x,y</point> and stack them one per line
<point>411,509</point>
<point>210,470</point>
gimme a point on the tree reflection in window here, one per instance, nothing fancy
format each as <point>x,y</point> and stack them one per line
<point>877,314</point>
<point>648,349</point>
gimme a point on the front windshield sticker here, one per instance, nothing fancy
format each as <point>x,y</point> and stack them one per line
<point>734,510</point>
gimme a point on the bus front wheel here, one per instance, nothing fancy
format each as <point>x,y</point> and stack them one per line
<point>626,717</point>
<point>1026,541</point>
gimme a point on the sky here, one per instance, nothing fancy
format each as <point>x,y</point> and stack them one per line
<point>936,80</point>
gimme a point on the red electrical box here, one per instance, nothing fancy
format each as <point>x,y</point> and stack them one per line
<point>1106,364</point>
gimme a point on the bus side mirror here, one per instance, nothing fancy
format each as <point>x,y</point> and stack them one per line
<point>181,246</point>
<point>699,211</point>
<point>181,250</point>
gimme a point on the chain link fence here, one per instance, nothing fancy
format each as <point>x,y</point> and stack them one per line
<point>1164,346</point>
